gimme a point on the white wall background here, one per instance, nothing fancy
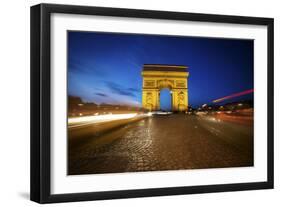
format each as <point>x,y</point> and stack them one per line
<point>14,101</point>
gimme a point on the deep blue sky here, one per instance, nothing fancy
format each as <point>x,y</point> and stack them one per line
<point>106,67</point>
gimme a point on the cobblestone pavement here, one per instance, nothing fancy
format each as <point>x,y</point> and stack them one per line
<point>165,143</point>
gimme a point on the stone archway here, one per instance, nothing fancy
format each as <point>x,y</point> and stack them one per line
<point>157,77</point>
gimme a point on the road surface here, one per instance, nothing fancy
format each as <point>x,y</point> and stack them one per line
<point>171,142</point>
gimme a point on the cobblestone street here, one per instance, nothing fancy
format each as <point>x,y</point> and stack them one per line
<point>164,143</point>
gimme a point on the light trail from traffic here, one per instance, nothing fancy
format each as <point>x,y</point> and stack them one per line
<point>86,120</point>
<point>80,121</point>
<point>234,95</point>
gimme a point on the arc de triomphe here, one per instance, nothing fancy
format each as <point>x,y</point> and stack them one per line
<point>157,77</point>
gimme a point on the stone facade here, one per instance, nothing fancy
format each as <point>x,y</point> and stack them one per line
<point>157,77</point>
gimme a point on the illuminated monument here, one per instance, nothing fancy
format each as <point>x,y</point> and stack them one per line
<point>158,77</point>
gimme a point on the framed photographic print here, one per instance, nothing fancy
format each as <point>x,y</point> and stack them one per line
<point>133,103</point>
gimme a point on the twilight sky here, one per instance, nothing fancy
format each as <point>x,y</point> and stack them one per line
<point>106,67</point>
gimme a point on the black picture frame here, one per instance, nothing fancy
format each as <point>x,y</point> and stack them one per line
<point>41,95</point>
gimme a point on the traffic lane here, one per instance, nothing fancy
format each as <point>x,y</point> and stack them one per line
<point>239,135</point>
<point>82,133</point>
<point>160,143</point>
<point>189,140</point>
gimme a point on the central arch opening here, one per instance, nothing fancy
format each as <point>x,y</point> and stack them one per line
<point>165,99</point>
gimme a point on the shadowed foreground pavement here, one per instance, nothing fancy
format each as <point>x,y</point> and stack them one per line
<point>162,143</point>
